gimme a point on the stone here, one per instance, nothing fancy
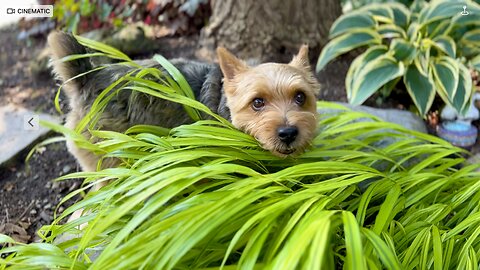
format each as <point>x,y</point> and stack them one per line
<point>66,169</point>
<point>475,159</point>
<point>16,134</point>
<point>404,118</point>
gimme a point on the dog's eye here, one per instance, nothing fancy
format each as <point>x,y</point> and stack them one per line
<point>300,98</point>
<point>258,104</point>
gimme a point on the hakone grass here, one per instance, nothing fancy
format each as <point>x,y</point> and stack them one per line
<point>366,195</point>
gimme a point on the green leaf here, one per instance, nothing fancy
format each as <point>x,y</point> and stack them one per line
<point>374,75</point>
<point>461,99</point>
<point>472,37</point>
<point>420,88</point>
<point>353,242</point>
<point>390,31</point>
<point>359,63</point>
<point>473,19</point>
<point>437,28</point>
<point>401,14</point>
<point>403,50</point>
<point>109,50</point>
<point>380,12</point>
<point>475,62</point>
<point>446,74</point>
<point>445,44</point>
<point>413,31</point>
<point>438,10</point>
<point>347,42</point>
<point>184,87</point>
<point>349,21</point>
<point>437,249</point>
<point>385,254</point>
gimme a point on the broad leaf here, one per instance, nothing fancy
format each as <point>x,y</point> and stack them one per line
<point>438,10</point>
<point>446,45</point>
<point>445,71</point>
<point>437,28</point>
<point>390,31</point>
<point>347,42</point>
<point>350,21</point>
<point>413,30</point>
<point>461,100</point>
<point>403,50</point>
<point>476,62</point>
<point>380,12</point>
<point>359,63</point>
<point>401,14</point>
<point>472,38</point>
<point>420,88</point>
<point>374,75</point>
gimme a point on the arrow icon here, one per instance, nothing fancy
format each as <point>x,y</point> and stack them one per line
<point>31,122</point>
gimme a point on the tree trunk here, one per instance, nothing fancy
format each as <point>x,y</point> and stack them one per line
<point>269,29</point>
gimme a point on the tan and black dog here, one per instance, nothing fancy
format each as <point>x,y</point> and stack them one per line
<point>275,103</point>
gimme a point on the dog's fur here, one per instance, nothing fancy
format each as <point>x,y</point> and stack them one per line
<point>228,89</point>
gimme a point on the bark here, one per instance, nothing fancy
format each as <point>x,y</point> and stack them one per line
<point>269,29</point>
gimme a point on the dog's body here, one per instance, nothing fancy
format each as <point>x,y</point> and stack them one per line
<point>275,103</point>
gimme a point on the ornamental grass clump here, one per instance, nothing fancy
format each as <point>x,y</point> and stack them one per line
<point>366,195</point>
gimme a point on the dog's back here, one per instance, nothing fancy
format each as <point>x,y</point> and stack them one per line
<point>126,108</point>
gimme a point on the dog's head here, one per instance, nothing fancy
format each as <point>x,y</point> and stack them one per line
<point>275,103</point>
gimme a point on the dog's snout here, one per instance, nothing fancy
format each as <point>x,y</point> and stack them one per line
<point>287,134</point>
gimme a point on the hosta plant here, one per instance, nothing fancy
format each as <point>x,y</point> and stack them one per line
<point>367,195</point>
<point>430,47</point>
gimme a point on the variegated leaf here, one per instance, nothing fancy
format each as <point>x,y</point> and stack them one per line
<point>438,10</point>
<point>446,45</point>
<point>347,42</point>
<point>359,64</point>
<point>350,21</point>
<point>374,75</point>
<point>445,70</point>
<point>461,100</point>
<point>403,50</point>
<point>475,62</point>
<point>420,88</point>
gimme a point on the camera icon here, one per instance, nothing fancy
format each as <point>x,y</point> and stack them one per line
<point>10,11</point>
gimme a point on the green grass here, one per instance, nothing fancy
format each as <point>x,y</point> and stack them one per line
<point>206,196</point>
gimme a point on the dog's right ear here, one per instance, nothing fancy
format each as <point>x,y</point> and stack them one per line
<point>229,64</point>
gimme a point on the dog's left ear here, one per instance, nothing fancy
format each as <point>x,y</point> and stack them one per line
<point>301,59</point>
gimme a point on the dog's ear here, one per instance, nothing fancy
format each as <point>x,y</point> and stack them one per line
<point>301,59</point>
<point>230,64</point>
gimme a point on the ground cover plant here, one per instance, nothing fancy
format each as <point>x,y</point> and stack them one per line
<point>367,195</point>
<point>428,47</point>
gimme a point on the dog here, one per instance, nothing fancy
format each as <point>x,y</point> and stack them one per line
<point>275,103</point>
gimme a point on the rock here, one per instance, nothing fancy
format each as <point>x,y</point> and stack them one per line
<point>403,118</point>
<point>16,134</point>
<point>475,159</point>
<point>47,218</point>
<point>66,169</point>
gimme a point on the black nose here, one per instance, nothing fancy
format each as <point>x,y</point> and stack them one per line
<point>287,134</point>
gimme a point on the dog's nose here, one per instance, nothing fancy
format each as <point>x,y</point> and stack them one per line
<point>287,134</point>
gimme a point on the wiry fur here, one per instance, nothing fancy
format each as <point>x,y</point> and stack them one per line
<point>230,97</point>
